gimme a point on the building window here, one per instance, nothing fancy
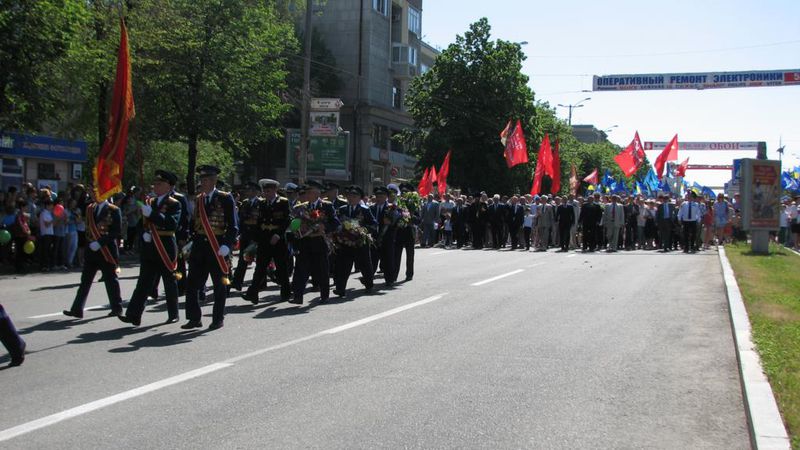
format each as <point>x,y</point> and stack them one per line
<point>414,21</point>
<point>397,144</point>
<point>380,136</point>
<point>404,54</point>
<point>46,171</point>
<point>11,166</point>
<point>412,56</point>
<point>382,6</point>
<point>397,94</point>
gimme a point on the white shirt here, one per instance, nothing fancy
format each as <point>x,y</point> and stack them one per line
<point>44,229</point>
<point>685,216</point>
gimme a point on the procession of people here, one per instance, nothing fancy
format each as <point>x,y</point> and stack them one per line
<point>291,234</point>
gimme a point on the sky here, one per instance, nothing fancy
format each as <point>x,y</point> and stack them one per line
<point>569,41</point>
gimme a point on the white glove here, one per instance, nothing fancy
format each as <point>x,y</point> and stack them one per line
<point>146,210</point>
<point>94,245</point>
<point>224,251</point>
<point>147,237</point>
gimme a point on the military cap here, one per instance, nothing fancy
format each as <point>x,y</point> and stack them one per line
<point>169,177</point>
<point>268,183</point>
<point>329,186</point>
<point>354,190</point>
<point>251,185</point>
<point>407,187</point>
<point>314,184</point>
<point>290,187</point>
<point>206,170</point>
<point>380,190</point>
<point>393,187</point>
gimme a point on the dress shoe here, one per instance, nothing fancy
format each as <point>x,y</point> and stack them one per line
<point>217,324</point>
<point>369,288</point>
<point>73,314</point>
<point>340,293</point>
<point>18,360</point>
<point>296,301</point>
<point>409,277</point>
<point>192,324</point>
<point>126,319</point>
<point>250,298</point>
<point>171,320</point>
<point>114,313</point>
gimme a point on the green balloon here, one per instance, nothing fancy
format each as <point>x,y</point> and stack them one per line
<point>5,236</point>
<point>294,225</point>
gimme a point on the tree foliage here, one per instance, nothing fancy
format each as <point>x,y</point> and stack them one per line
<point>463,102</point>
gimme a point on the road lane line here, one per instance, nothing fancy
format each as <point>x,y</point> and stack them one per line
<point>146,389</point>
<point>572,255</point>
<point>103,402</point>
<point>439,253</point>
<point>534,265</point>
<point>91,308</point>
<point>499,277</point>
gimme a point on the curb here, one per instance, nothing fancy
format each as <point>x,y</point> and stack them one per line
<point>767,430</point>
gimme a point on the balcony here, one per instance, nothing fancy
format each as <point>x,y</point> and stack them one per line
<point>405,61</point>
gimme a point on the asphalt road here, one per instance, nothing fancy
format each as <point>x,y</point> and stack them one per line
<point>483,349</point>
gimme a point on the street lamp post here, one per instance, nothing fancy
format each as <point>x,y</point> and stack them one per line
<point>305,118</point>
<point>573,106</point>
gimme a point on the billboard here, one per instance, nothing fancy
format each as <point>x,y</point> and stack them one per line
<point>327,156</point>
<point>697,80</point>
<point>707,146</point>
<point>761,194</point>
<point>44,147</point>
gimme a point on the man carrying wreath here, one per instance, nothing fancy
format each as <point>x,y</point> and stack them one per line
<point>353,241</point>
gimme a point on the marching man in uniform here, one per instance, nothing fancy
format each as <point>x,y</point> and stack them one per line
<point>159,252</point>
<point>248,227</point>
<point>102,231</point>
<point>354,252</point>
<point>273,220</point>
<point>215,231</point>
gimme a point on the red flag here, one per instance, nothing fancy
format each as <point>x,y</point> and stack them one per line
<point>632,157</point>
<point>107,171</point>
<point>681,170</point>
<point>592,178</point>
<point>516,151</point>
<point>423,184</point>
<point>573,181</point>
<point>432,175</point>
<point>670,153</point>
<point>544,163</point>
<point>555,171</point>
<point>444,170</point>
<point>505,133</point>
<point>431,179</point>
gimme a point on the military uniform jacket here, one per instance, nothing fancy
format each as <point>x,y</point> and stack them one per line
<point>248,217</point>
<point>380,212</point>
<point>360,213</point>
<point>166,217</point>
<point>221,212</point>
<point>184,224</point>
<point>108,221</point>
<point>273,218</point>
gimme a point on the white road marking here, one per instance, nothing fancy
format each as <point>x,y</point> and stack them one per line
<point>499,277</point>
<point>572,255</point>
<point>534,265</point>
<point>439,253</point>
<point>91,308</point>
<point>103,402</point>
<point>146,389</point>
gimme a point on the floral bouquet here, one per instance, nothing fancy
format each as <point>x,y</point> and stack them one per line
<point>408,204</point>
<point>306,221</point>
<point>352,235</point>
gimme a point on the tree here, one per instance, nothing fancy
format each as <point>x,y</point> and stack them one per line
<point>209,70</point>
<point>463,102</point>
<point>36,38</point>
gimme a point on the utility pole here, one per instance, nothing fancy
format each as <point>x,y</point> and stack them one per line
<point>571,107</point>
<point>305,107</point>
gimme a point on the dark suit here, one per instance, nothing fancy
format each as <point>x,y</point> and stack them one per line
<point>405,240</point>
<point>165,216</point>
<point>312,257</point>
<point>565,216</point>
<point>108,220</point>
<point>480,214</point>
<point>273,220</point>
<point>590,221</point>
<point>385,240</point>
<point>666,222</point>
<point>458,219</point>
<point>360,256</point>
<point>221,212</point>
<point>516,215</point>
<point>496,216</point>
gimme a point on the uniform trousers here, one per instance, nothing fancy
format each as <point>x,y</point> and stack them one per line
<point>345,258</point>
<point>241,265</point>
<point>94,263</point>
<point>202,263</point>
<point>404,241</point>
<point>312,260</point>
<point>150,270</point>
<point>9,336</point>
<point>384,255</point>
<point>266,252</point>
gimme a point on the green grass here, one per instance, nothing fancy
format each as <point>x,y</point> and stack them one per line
<point>770,285</point>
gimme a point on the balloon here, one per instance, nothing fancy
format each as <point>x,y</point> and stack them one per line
<point>5,236</point>
<point>295,224</point>
<point>29,247</point>
<point>58,210</point>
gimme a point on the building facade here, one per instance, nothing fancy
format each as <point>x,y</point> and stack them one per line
<point>43,161</point>
<point>378,49</point>
<point>588,134</point>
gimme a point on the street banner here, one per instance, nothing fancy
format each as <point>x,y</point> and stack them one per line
<point>707,146</point>
<point>761,194</point>
<point>697,80</point>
